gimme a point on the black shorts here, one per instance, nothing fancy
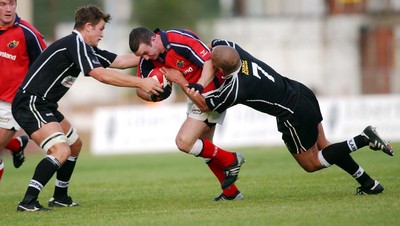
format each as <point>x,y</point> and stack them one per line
<point>30,111</point>
<point>300,130</point>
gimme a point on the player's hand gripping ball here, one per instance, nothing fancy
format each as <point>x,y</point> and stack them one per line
<point>167,85</point>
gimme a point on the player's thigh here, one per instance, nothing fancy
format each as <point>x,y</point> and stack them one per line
<point>50,137</point>
<point>46,131</point>
<point>8,125</point>
<point>322,141</point>
<point>208,133</point>
<point>190,131</point>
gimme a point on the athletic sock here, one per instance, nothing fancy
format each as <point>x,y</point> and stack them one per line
<point>43,173</point>
<point>361,141</point>
<point>13,145</point>
<point>1,168</point>
<point>348,164</point>
<point>219,173</point>
<point>63,177</point>
<point>363,178</point>
<point>225,158</point>
<point>335,152</point>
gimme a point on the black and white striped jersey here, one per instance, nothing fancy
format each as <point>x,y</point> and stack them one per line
<point>257,85</point>
<point>58,67</point>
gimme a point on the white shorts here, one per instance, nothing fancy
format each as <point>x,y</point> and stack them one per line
<point>211,116</point>
<point>6,119</point>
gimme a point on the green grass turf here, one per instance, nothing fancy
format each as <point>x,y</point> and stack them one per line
<point>177,189</point>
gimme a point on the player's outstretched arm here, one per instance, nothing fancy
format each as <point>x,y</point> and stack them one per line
<point>177,77</point>
<point>125,61</point>
<point>116,78</point>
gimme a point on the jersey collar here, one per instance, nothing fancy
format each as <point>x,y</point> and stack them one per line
<point>17,20</point>
<point>79,34</point>
<point>164,39</point>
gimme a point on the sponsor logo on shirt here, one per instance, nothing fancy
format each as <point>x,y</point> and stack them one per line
<point>7,55</point>
<point>68,81</point>
<point>95,61</point>
<point>245,67</point>
<point>13,44</point>
<point>203,53</point>
<point>180,63</point>
<point>187,71</point>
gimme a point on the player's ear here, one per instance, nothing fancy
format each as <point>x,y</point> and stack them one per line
<point>153,39</point>
<point>89,26</point>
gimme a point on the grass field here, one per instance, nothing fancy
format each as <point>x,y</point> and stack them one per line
<point>177,189</point>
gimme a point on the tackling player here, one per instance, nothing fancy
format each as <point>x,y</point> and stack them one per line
<point>253,83</point>
<point>35,106</point>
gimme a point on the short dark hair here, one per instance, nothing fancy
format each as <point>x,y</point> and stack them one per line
<point>90,14</point>
<point>138,36</point>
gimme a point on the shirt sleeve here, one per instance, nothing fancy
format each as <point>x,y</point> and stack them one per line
<point>35,43</point>
<point>223,98</point>
<point>144,68</point>
<point>84,56</point>
<point>106,58</point>
<point>187,44</point>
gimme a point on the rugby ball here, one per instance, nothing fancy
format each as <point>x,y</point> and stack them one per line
<point>160,77</point>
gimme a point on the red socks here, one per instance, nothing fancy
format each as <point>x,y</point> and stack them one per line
<point>219,173</point>
<point>219,160</point>
<point>1,168</point>
<point>13,145</point>
<point>225,158</point>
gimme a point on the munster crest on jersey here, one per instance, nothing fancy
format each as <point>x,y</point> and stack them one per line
<point>13,44</point>
<point>180,63</point>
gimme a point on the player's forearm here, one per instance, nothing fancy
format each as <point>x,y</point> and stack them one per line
<point>207,74</point>
<point>178,78</point>
<point>116,78</point>
<point>125,61</point>
<point>197,98</point>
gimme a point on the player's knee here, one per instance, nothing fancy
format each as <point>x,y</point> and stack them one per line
<point>76,147</point>
<point>74,141</point>
<point>182,144</point>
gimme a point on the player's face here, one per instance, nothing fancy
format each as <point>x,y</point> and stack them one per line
<point>7,12</point>
<point>148,52</point>
<point>95,33</point>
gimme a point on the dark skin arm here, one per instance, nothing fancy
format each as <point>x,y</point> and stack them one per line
<point>177,77</point>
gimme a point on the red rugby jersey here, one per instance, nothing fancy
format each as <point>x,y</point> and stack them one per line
<point>20,45</point>
<point>185,52</point>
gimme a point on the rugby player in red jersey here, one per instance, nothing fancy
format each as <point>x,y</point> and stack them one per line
<point>20,45</point>
<point>184,51</point>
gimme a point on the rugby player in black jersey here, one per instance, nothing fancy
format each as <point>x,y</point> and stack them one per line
<point>49,78</point>
<point>253,83</point>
